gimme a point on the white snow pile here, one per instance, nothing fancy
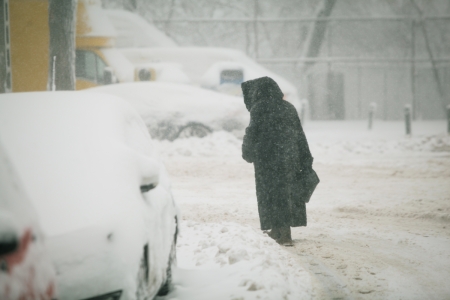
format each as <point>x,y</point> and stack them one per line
<point>352,137</point>
<point>223,144</point>
<point>219,143</point>
<point>231,261</point>
<point>435,143</point>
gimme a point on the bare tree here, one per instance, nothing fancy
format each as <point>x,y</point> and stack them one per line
<point>318,30</point>
<point>62,26</point>
<point>430,55</point>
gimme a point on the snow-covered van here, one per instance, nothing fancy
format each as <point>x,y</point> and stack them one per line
<point>220,69</point>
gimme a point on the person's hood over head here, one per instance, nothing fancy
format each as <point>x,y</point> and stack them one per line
<point>263,89</point>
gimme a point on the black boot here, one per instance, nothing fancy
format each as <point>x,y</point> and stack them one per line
<point>285,238</point>
<point>274,233</point>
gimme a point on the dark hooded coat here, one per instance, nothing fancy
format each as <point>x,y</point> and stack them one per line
<point>275,143</point>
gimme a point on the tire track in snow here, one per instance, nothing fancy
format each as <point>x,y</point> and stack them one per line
<point>333,287</point>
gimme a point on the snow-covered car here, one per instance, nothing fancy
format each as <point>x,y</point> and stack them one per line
<point>100,190</point>
<point>26,271</point>
<point>173,110</point>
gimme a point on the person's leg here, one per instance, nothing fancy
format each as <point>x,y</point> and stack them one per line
<point>285,238</point>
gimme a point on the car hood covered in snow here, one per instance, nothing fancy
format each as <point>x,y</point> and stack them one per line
<point>180,104</point>
<point>79,156</point>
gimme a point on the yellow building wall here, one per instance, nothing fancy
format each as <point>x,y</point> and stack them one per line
<point>29,34</point>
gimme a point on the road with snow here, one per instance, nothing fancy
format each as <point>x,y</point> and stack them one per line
<point>378,223</point>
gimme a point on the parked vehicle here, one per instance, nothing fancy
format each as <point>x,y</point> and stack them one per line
<point>100,189</point>
<point>219,69</point>
<point>173,110</point>
<point>98,62</point>
<point>26,271</point>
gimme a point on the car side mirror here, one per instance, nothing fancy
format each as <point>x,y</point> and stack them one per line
<point>150,178</point>
<point>108,76</point>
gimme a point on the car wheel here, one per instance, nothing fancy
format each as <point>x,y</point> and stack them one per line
<point>193,129</point>
<point>165,288</point>
<point>142,278</point>
<point>165,130</point>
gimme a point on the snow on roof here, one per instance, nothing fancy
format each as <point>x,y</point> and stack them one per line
<point>134,31</point>
<point>198,60</point>
<point>180,103</point>
<point>92,20</point>
<point>77,155</point>
<point>122,67</point>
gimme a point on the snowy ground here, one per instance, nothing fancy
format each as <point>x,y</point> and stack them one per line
<point>378,223</point>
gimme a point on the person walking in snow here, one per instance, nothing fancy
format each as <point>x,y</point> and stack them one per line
<point>275,143</point>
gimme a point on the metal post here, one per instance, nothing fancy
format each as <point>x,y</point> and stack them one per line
<point>413,69</point>
<point>53,74</point>
<point>372,108</point>
<point>408,119</point>
<point>359,91</point>
<point>303,111</point>
<point>7,84</point>
<point>448,118</point>
<point>385,98</point>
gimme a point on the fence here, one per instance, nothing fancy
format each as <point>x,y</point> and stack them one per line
<point>387,60</point>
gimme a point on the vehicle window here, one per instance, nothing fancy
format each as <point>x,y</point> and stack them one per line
<point>232,76</point>
<point>85,65</point>
<point>101,65</point>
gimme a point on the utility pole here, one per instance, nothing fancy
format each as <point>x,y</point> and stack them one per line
<point>255,27</point>
<point>434,67</point>
<point>5,51</point>
<point>61,23</point>
<point>317,32</point>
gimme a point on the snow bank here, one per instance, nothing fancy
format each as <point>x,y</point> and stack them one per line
<point>223,143</point>
<point>134,31</point>
<point>436,143</point>
<point>335,138</point>
<point>179,104</point>
<point>231,261</point>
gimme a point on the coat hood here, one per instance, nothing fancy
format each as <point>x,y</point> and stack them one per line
<point>263,89</point>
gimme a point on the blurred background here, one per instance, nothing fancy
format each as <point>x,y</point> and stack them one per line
<point>341,55</point>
